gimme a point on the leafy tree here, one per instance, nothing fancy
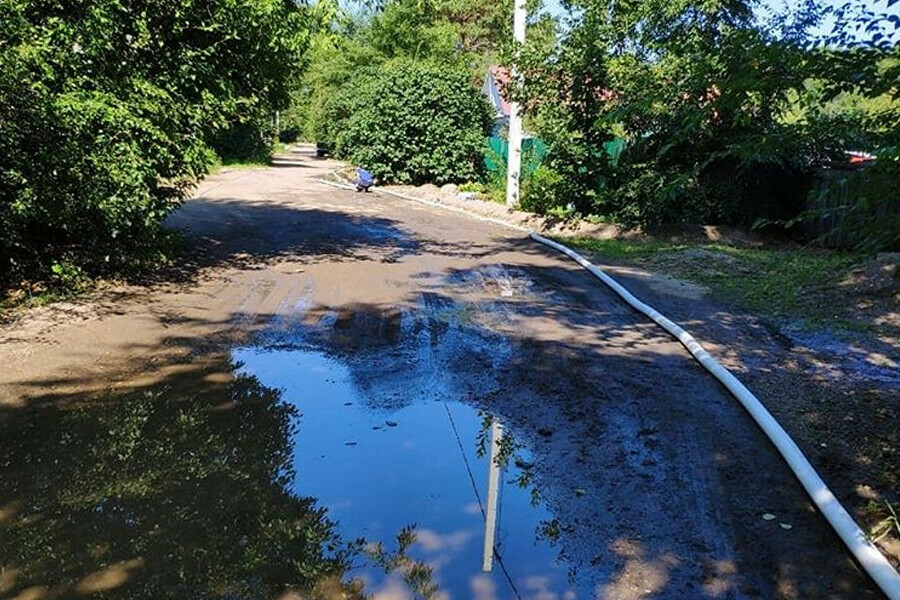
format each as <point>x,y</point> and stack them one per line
<point>698,91</point>
<point>725,118</point>
<point>564,104</point>
<point>862,76</point>
<point>335,62</point>
<point>413,122</point>
<point>106,114</point>
<point>461,34</point>
<point>467,31</point>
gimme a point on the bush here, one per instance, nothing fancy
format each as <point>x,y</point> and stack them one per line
<point>539,192</point>
<point>106,114</point>
<point>244,141</point>
<point>413,123</point>
<point>86,191</point>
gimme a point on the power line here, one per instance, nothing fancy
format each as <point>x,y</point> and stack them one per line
<point>462,451</point>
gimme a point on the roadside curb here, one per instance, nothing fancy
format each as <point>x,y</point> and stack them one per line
<point>454,209</point>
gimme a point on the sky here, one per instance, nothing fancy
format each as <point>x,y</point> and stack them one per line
<point>763,7</point>
<point>769,6</point>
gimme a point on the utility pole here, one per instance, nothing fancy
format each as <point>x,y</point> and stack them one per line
<point>514,152</point>
<point>493,496</point>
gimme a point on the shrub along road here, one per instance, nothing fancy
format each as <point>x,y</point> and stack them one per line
<point>661,487</point>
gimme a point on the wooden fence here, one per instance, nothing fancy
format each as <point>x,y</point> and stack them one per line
<point>841,206</point>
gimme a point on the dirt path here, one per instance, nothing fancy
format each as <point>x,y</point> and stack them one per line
<point>657,482</point>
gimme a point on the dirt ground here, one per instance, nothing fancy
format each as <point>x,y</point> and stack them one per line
<point>847,411</point>
<point>660,485</point>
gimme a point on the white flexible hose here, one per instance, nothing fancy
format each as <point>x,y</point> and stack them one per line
<point>869,557</point>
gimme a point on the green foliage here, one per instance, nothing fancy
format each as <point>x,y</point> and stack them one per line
<point>726,119</point>
<point>107,111</point>
<point>543,191</point>
<point>462,32</point>
<point>413,123</point>
<point>459,35</point>
<point>245,141</point>
<point>471,186</point>
<point>417,575</point>
<point>562,99</point>
<point>335,62</point>
<point>170,495</point>
<point>866,86</point>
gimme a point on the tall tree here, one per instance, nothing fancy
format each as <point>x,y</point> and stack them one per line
<point>700,91</point>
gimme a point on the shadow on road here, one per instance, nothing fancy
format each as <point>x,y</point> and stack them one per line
<point>657,480</point>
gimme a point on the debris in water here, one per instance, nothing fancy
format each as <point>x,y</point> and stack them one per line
<point>768,517</point>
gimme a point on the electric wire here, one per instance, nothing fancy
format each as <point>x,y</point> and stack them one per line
<point>462,451</point>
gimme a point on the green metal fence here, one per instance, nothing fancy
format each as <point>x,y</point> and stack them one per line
<point>534,150</point>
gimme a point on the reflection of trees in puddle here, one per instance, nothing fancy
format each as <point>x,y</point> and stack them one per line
<point>152,495</point>
<point>510,449</point>
<point>417,575</point>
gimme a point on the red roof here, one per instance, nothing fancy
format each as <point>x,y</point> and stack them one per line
<point>860,158</point>
<point>501,76</point>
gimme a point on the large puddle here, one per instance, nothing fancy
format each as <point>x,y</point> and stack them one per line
<point>347,455</point>
<point>344,456</point>
<point>420,465</point>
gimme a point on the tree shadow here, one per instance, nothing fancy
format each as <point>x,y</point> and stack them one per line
<point>672,478</point>
<point>238,233</point>
<point>179,488</point>
<point>288,161</point>
<point>675,477</point>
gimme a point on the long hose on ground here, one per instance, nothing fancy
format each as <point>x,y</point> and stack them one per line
<point>869,557</point>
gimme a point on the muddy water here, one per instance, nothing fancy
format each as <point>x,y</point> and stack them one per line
<point>421,463</point>
<point>184,481</point>
<point>288,468</point>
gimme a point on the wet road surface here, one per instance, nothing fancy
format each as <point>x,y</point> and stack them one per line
<point>309,407</point>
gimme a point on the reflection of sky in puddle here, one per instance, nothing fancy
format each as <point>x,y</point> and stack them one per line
<point>377,471</point>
